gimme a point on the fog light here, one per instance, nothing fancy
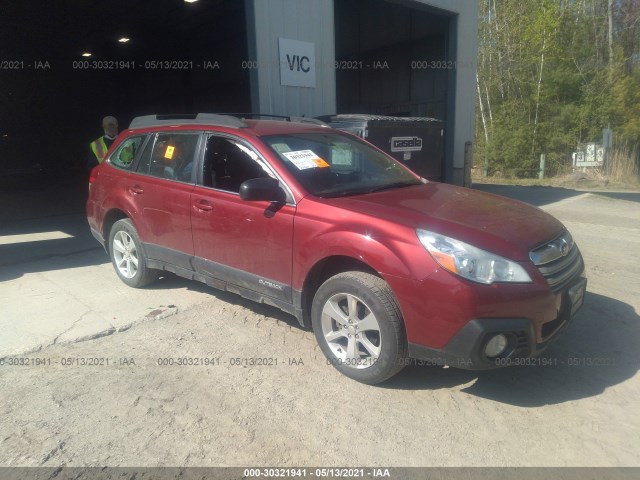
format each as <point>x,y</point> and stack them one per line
<point>496,346</point>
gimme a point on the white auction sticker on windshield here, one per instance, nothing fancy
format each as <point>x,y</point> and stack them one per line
<point>304,159</point>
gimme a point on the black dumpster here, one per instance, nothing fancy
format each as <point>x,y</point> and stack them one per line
<point>415,141</point>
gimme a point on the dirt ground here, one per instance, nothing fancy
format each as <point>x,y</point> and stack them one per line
<point>256,390</point>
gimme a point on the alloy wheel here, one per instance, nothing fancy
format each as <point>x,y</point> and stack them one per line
<point>125,254</point>
<point>351,330</point>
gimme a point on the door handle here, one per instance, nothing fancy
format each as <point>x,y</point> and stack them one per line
<point>136,190</point>
<point>203,205</point>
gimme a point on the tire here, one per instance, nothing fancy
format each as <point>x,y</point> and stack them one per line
<point>344,305</point>
<point>127,256</point>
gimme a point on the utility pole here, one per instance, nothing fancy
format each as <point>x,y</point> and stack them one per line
<point>607,140</point>
<point>610,38</point>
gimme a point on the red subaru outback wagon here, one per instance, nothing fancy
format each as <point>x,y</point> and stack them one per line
<point>383,265</point>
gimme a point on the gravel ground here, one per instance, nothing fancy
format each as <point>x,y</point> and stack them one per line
<point>295,410</point>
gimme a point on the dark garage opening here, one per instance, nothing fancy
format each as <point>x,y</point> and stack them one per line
<point>180,57</point>
<point>395,58</point>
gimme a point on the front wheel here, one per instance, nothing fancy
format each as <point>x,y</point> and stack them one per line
<point>359,327</point>
<point>127,256</point>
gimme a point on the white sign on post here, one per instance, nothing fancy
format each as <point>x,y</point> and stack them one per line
<point>297,63</point>
<point>591,156</point>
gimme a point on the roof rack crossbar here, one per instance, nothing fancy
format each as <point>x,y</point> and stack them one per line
<point>187,119</point>
<point>315,121</point>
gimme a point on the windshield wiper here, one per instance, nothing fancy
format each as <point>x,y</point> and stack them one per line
<point>363,191</point>
<point>343,193</point>
<point>390,186</point>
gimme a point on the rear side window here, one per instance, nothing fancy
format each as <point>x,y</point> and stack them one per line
<point>170,156</point>
<point>125,154</point>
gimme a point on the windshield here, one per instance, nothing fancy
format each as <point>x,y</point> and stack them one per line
<point>331,164</point>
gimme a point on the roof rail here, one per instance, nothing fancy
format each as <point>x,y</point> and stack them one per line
<point>365,117</point>
<point>187,119</point>
<point>286,118</point>
<point>255,115</point>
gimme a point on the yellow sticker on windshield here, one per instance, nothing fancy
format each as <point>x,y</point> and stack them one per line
<point>321,163</point>
<point>169,153</point>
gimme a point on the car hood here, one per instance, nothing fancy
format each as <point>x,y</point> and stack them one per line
<point>497,224</point>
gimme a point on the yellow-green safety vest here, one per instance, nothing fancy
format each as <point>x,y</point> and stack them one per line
<point>99,149</point>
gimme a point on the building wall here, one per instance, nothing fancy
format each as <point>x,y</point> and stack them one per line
<point>304,20</point>
<point>313,21</point>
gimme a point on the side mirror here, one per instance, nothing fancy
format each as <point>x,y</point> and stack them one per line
<point>262,189</point>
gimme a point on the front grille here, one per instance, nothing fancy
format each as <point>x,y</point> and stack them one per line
<point>559,270</point>
<point>522,341</point>
<point>521,347</point>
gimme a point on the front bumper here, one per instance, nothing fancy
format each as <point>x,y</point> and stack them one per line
<point>99,238</point>
<point>466,349</point>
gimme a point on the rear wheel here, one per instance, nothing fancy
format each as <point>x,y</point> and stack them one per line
<point>127,255</point>
<point>359,327</point>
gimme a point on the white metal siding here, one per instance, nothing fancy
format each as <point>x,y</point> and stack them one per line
<point>305,20</point>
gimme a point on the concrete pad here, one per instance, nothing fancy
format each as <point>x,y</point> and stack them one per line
<point>77,297</point>
<point>43,237</point>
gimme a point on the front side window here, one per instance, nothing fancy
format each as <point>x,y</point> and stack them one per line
<point>170,156</point>
<point>126,152</point>
<point>332,164</point>
<point>228,163</point>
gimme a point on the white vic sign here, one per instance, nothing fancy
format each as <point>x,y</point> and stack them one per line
<point>297,63</point>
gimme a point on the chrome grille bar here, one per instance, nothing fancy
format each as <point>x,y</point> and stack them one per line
<point>559,261</point>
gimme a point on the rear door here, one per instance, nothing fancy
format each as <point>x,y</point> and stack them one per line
<point>248,244</point>
<point>161,192</point>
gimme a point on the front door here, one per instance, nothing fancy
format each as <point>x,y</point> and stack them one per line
<point>245,243</point>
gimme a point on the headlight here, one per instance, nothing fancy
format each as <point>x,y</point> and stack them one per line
<point>471,262</point>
